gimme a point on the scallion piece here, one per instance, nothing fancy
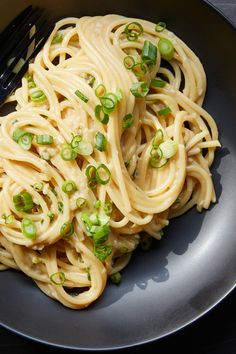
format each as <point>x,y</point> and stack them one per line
<point>23,201</point>
<point>58,38</point>
<point>30,80</point>
<point>84,148</point>
<point>158,138</point>
<point>17,134</point>
<point>160,26</point>
<point>108,208</point>
<point>44,139</point>
<point>97,204</point>
<point>67,229</point>
<point>51,215</point>
<point>128,121</point>
<point>133,30</point>
<point>81,96</point>
<point>102,251</point>
<point>139,89</point>
<point>68,154</point>
<point>69,187</point>
<point>25,141</point>
<point>119,94</point>
<point>166,48</point>
<point>108,102</point>
<point>38,187</point>
<point>91,80</point>
<point>101,142</point>
<point>90,172</point>
<point>140,69</point>
<point>158,83</point>
<point>80,202</point>
<point>100,91</point>
<point>8,218</point>
<point>75,141</point>
<point>129,62</point>
<point>38,96</point>
<point>102,174</point>
<point>169,148</point>
<point>149,53</point>
<point>58,278</point>
<point>164,111</point>
<point>60,207</point>
<point>28,228</point>
<point>100,115</point>
<point>116,278</point>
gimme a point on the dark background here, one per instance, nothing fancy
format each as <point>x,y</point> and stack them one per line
<point>214,333</point>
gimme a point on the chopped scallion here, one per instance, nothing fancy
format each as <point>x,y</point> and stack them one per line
<point>44,139</point>
<point>102,251</point>
<point>160,26</point>
<point>23,201</point>
<point>166,48</point>
<point>133,30</point>
<point>68,154</point>
<point>139,89</point>
<point>100,91</point>
<point>158,83</point>
<point>102,174</point>
<point>58,278</point>
<point>149,53</point>
<point>69,187</point>
<point>164,111</point>
<point>38,96</point>
<point>81,96</point>
<point>75,141</point>
<point>80,202</point>
<point>28,228</point>
<point>169,148</point>
<point>100,115</point>
<point>101,142</point>
<point>38,187</point>
<point>129,62</point>
<point>67,229</point>
<point>116,278</point>
<point>128,121</point>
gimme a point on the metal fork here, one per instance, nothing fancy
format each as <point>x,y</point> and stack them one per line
<point>15,40</point>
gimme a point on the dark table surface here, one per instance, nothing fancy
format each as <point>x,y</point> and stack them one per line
<point>214,333</point>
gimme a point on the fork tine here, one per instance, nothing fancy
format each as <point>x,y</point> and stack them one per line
<point>19,32</point>
<point>13,24</point>
<point>13,83</point>
<point>22,48</point>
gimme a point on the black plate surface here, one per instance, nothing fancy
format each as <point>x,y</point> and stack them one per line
<point>194,266</point>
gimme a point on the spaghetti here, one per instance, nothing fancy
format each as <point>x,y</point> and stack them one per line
<point>108,142</point>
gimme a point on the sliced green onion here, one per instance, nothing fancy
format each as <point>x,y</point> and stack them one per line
<point>17,134</point>
<point>58,38</point>
<point>102,174</point>
<point>25,141</point>
<point>129,62</point>
<point>36,260</point>
<point>124,249</point>
<point>60,207</point>
<point>128,121</point>
<point>30,80</point>
<point>100,91</point>
<point>69,187</point>
<point>108,208</point>
<point>133,30</point>
<point>81,96</point>
<point>102,251</point>
<point>28,228</point>
<point>58,278</point>
<point>44,139</point>
<point>38,187</point>
<point>84,148</point>
<point>157,163</point>
<point>100,233</point>
<point>23,201</point>
<point>119,94</point>
<point>158,138</point>
<point>75,141</point>
<point>164,111</point>
<point>101,142</point>
<point>67,229</point>
<point>139,89</point>
<point>160,26</point>
<point>146,243</point>
<point>158,83</point>
<point>140,69</point>
<point>109,102</point>
<point>90,172</point>
<point>8,218</point>
<point>51,215</point>
<point>80,202</point>
<point>91,80</point>
<point>149,53</point>
<point>97,204</point>
<point>169,148</point>
<point>116,278</point>
<point>68,154</point>
<point>166,48</point>
<point>104,118</point>
<point>38,96</point>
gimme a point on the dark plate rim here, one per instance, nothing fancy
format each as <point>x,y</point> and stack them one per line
<point>220,13</point>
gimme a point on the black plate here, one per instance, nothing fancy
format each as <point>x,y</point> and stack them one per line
<point>194,266</point>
